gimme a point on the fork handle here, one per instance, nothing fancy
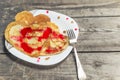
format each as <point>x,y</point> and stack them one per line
<point>80,71</point>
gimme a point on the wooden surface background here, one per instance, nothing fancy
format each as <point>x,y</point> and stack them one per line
<point>98,44</point>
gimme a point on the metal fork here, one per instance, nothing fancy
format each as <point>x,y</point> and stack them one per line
<point>80,72</point>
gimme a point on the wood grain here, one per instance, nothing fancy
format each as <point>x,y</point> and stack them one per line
<point>101,65</point>
<point>99,34</point>
<point>98,42</point>
<point>12,67</point>
<point>96,65</point>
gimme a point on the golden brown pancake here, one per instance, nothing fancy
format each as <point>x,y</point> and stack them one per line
<point>41,18</point>
<point>36,39</point>
<point>24,17</point>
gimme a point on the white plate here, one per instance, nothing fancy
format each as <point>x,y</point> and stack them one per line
<point>64,22</point>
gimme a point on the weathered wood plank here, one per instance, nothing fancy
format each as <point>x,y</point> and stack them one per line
<point>100,24</point>
<point>99,34</point>
<point>96,66</point>
<point>61,4</point>
<point>98,41</point>
<point>87,2</point>
<point>81,2</point>
<point>74,5</point>
<point>12,68</point>
<point>101,66</point>
<point>79,13</point>
<point>91,12</point>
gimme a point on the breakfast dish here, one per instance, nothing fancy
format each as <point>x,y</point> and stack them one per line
<point>52,22</point>
<point>35,35</point>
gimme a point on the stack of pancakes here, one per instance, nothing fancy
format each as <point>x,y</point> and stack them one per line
<point>35,35</point>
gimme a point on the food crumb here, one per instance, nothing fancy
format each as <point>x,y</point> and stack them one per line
<point>58,17</point>
<point>71,21</point>
<point>64,31</point>
<point>47,58</point>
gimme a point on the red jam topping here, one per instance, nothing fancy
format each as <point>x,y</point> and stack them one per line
<point>39,48</point>
<point>25,34</point>
<point>56,35</point>
<point>25,31</point>
<point>61,36</point>
<point>29,49</point>
<point>26,47</point>
<point>46,34</point>
<point>51,50</point>
<point>17,38</point>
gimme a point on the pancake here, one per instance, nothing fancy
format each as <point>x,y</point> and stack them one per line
<point>41,18</point>
<point>25,17</point>
<point>36,39</point>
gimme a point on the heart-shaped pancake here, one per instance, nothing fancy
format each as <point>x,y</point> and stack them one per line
<point>36,38</point>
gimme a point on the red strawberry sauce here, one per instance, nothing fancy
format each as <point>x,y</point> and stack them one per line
<point>26,47</point>
<point>46,34</point>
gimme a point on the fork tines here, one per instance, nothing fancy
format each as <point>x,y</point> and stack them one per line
<point>71,34</point>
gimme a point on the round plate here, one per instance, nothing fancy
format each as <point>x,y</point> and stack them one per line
<point>64,22</point>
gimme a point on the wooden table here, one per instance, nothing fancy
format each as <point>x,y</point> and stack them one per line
<point>98,44</point>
